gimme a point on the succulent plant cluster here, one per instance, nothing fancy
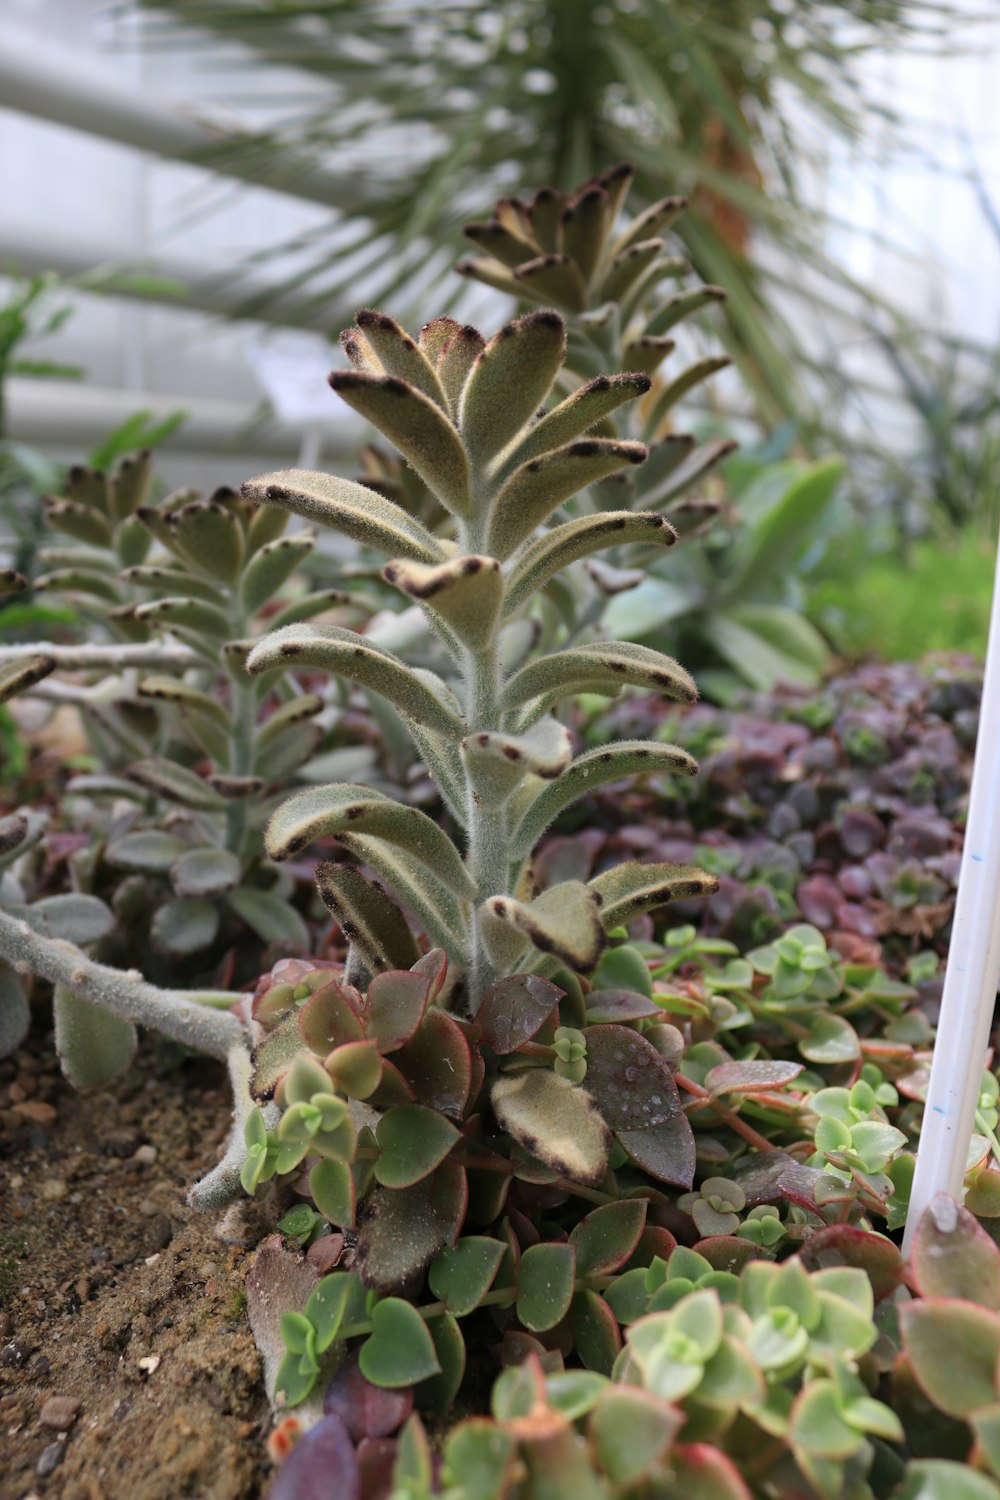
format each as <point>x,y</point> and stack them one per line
<point>842,809</point>
<point>650,1175</point>
<point>838,1372</point>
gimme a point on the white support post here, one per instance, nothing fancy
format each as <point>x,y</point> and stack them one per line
<point>973,969</point>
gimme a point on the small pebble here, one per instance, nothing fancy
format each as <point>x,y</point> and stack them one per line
<point>53,1188</point>
<point>51,1458</point>
<point>146,1155</point>
<point>60,1412</point>
<point>150,1364</point>
<point>121,1142</point>
<point>147,1208</point>
<point>36,1111</point>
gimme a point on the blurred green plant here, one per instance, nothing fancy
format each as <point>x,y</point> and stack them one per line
<point>898,606</point>
<point>736,608</point>
<point>453,101</point>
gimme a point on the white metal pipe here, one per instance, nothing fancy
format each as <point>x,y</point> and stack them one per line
<point>227,293</point>
<point>973,971</point>
<point>71,415</point>
<point>51,85</point>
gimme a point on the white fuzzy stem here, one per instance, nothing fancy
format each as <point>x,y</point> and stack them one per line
<point>222,1185</point>
<point>113,658</point>
<point>123,992</point>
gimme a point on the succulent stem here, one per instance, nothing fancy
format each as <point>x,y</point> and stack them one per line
<point>174,1013</point>
<point>78,658</point>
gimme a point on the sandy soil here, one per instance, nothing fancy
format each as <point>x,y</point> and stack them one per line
<point>115,1296</point>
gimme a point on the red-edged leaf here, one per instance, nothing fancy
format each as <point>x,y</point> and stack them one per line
<point>774,1176</point>
<point>750,1077</point>
<point>608,1235</point>
<point>631,1082</point>
<point>402,1229</point>
<point>843,1245</point>
<point>437,1064</point>
<point>597,1338</point>
<point>953,1256</point>
<point>667,1151</point>
<point>328,1020</point>
<point>395,1006</point>
<point>514,1009</point>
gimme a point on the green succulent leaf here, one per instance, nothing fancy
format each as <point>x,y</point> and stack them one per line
<point>17,676</point>
<point>631,889</point>
<point>564,921</point>
<point>597,667</point>
<point>565,544</point>
<point>953,1348</point>
<point>415,425</point>
<point>352,509</point>
<point>322,811</point>
<point>371,921</point>
<point>509,381</point>
<point>330,648</point>
<point>545,1285</point>
<point>539,487</point>
<point>413,1140</point>
<point>461,1275</point>
<point>465,592</point>
<point>593,769</point>
<point>399,1351</point>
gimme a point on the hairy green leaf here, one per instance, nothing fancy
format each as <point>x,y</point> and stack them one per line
<point>333,649</point>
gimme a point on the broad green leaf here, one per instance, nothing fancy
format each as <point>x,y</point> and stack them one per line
<point>461,1275</point>
<point>413,1140</point>
<point>953,1348</point>
<point>399,1350</point>
<point>545,1285</point>
<point>269,916</point>
<point>775,541</point>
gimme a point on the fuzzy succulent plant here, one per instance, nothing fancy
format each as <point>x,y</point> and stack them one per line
<point>465,412</point>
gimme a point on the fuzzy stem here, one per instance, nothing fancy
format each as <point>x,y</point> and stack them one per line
<point>244,691</point>
<point>123,992</point>
<point>222,1186</point>
<point>489,853</point>
<point>80,658</point>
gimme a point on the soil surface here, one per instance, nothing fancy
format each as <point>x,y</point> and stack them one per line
<point>127,1368</point>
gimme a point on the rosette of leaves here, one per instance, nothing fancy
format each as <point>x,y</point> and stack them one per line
<point>616,283</point>
<point>463,411</point>
<point>201,748</point>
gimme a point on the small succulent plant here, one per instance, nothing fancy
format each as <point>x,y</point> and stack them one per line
<point>787,1380</point>
<point>205,573</point>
